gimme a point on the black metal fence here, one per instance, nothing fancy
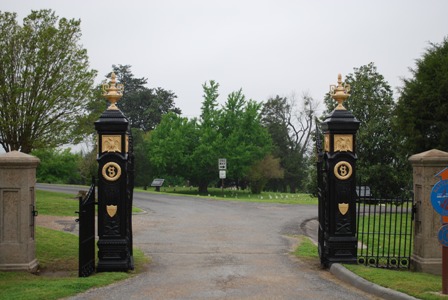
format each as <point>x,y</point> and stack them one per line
<point>385,230</point>
<point>87,233</point>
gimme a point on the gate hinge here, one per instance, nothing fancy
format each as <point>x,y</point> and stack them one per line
<point>414,211</point>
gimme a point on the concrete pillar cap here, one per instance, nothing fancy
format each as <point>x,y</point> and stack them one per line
<point>432,156</point>
<point>15,158</point>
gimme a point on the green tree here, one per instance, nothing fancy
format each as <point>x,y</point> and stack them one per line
<point>204,158</point>
<point>45,81</point>
<point>143,170</point>
<point>244,140</point>
<point>88,166</point>
<point>422,106</point>
<point>290,129</point>
<point>171,146</point>
<point>371,102</point>
<point>191,148</point>
<point>262,171</point>
<point>143,106</point>
<point>58,166</point>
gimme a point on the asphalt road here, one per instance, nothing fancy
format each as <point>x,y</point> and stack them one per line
<point>208,249</point>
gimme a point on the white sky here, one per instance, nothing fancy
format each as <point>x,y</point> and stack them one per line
<point>264,47</point>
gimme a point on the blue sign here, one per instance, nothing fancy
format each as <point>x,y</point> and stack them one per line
<point>439,197</point>
<point>443,235</point>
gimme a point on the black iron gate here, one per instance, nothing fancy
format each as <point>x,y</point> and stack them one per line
<point>321,192</point>
<point>87,233</point>
<point>130,195</point>
<point>385,235</point>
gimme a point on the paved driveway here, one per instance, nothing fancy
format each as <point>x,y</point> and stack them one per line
<point>207,249</point>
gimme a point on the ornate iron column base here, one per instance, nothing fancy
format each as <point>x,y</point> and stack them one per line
<point>341,250</point>
<point>114,255</point>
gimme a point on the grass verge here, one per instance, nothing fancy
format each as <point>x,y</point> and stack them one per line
<point>60,204</point>
<point>56,204</point>
<point>239,195</point>
<point>57,253</point>
<point>419,285</point>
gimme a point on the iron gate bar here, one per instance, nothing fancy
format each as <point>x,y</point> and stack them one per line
<point>86,221</point>
<point>385,232</point>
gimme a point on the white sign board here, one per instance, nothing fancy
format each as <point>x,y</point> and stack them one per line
<point>222,163</point>
<point>222,174</point>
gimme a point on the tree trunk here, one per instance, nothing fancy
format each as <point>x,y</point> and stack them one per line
<point>292,187</point>
<point>203,188</point>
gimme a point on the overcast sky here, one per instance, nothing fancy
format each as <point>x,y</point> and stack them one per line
<point>264,47</point>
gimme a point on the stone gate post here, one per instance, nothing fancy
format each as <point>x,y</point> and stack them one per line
<point>17,211</point>
<point>427,252</point>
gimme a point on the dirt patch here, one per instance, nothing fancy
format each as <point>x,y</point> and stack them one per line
<point>67,224</point>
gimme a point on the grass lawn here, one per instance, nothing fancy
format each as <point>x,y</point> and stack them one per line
<point>56,204</point>
<point>60,204</point>
<point>419,285</point>
<point>57,253</point>
<point>239,195</point>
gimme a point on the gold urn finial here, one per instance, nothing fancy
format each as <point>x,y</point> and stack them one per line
<point>340,92</point>
<point>113,91</point>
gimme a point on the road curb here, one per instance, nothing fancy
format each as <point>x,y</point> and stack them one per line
<point>349,277</point>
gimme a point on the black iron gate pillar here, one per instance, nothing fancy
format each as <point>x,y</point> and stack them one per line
<point>114,232</point>
<point>338,214</point>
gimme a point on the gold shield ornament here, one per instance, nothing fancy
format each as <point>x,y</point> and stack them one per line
<point>111,210</point>
<point>343,208</point>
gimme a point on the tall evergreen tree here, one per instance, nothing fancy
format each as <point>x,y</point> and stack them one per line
<point>422,107</point>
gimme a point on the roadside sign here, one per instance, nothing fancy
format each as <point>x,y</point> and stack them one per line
<point>157,182</point>
<point>222,174</point>
<point>222,163</point>
<point>439,201</point>
<point>443,235</point>
<point>439,197</point>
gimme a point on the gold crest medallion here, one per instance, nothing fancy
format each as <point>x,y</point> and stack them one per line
<point>111,210</point>
<point>343,208</point>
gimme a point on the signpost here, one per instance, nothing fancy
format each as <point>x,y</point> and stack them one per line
<point>157,183</point>
<point>439,201</point>
<point>222,166</point>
